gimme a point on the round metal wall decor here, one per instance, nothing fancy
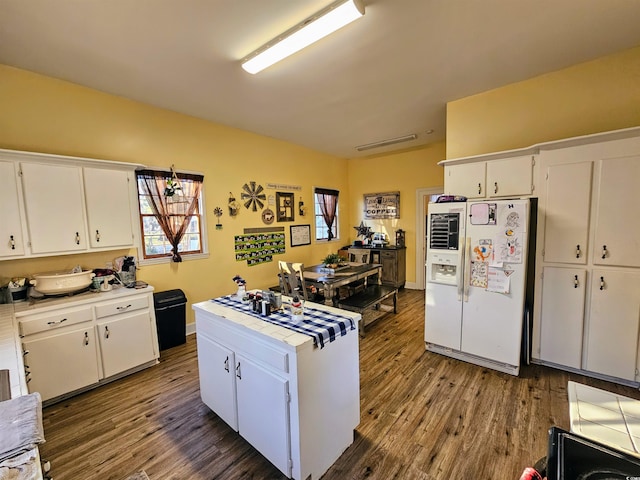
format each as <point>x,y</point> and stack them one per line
<point>268,216</point>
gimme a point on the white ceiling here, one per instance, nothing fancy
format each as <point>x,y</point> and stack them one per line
<point>386,75</point>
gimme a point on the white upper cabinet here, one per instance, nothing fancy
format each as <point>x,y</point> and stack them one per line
<point>11,241</point>
<point>566,218</point>
<point>507,177</point>
<point>467,179</point>
<point>510,176</point>
<point>617,220</point>
<point>107,193</point>
<point>54,205</point>
<point>59,205</point>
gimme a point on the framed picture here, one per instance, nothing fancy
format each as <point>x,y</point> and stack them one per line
<point>284,207</point>
<point>382,205</point>
<point>300,235</point>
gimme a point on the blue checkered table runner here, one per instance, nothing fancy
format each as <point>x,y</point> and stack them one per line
<point>323,326</point>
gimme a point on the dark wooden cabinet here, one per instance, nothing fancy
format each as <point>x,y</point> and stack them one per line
<point>393,261</point>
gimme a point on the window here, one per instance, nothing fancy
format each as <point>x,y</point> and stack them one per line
<point>326,213</point>
<point>170,214</point>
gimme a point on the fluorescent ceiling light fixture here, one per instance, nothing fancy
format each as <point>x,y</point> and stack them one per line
<point>384,143</point>
<point>326,21</point>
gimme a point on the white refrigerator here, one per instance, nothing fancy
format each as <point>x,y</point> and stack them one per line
<point>476,274</point>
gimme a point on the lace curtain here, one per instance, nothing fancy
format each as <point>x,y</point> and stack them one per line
<point>172,212</point>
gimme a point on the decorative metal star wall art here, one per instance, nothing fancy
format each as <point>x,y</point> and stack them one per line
<point>252,196</point>
<point>363,230</point>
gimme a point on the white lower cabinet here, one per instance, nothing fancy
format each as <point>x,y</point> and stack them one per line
<point>563,294</point>
<point>83,341</point>
<point>297,404</point>
<point>216,365</point>
<point>62,362</point>
<point>125,342</point>
<point>614,317</point>
<point>267,431</point>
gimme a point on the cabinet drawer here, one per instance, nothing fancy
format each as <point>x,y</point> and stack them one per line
<point>122,306</point>
<point>51,320</point>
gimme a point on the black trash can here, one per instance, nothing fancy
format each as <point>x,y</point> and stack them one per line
<point>171,321</point>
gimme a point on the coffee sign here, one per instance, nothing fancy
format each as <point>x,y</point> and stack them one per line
<point>382,205</point>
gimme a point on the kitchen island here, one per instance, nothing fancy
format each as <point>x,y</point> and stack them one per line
<point>294,397</point>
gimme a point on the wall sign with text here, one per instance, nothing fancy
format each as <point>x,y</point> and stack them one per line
<point>382,205</point>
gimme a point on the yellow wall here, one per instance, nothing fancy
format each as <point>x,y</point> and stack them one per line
<point>47,115</point>
<point>590,97</point>
<point>404,172</point>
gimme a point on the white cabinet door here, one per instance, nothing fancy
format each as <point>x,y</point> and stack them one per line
<point>126,341</point>
<point>263,411</point>
<point>612,344</point>
<point>466,179</point>
<point>510,176</point>
<point>562,316</point>
<point>54,207</point>
<point>62,363</point>
<point>11,242</point>
<point>216,366</point>
<point>566,217</point>
<point>107,194</point>
<point>617,222</point>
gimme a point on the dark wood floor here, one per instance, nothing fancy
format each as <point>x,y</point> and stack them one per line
<point>423,416</point>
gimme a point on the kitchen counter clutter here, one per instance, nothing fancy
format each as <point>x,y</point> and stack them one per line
<point>296,400</point>
<point>77,342</point>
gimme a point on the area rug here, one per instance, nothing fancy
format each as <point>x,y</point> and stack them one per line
<point>141,475</point>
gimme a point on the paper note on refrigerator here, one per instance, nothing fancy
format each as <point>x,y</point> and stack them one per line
<point>498,280</point>
<point>478,277</point>
<point>508,249</point>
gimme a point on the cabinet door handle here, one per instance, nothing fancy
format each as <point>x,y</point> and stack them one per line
<point>77,238</point>
<point>123,308</point>
<point>86,339</point>
<point>238,374</point>
<point>106,332</point>
<point>575,281</point>
<point>601,283</point>
<point>97,235</point>
<point>495,187</point>
<point>56,322</point>
<point>12,242</point>
<point>226,364</point>
<point>578,251</point>
<point>604,252</point>
<point>479,188</point>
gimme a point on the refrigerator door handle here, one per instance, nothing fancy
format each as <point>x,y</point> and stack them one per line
<point>460,271</point>
<point>467,268</point>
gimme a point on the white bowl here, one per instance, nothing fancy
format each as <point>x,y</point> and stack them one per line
<point>63,282</point>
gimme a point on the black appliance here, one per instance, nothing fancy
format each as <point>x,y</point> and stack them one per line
<point>574,457</point>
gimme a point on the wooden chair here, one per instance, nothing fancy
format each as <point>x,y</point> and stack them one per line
<point>358,255</point>
<point>292,279</point>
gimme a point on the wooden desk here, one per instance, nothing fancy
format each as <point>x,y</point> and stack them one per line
<point>329,283</point>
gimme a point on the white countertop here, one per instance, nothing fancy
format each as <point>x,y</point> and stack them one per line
<point>51,303</point>
<point>605,417</point>
<point>11,352</point>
